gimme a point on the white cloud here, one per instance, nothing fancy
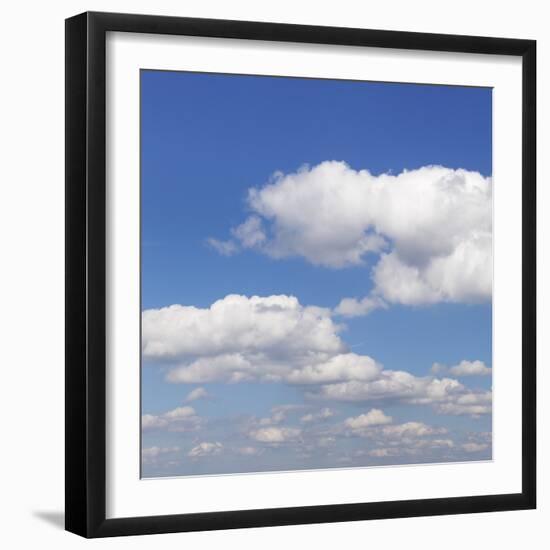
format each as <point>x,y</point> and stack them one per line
<point>274,326</point>
<point>411,430</point>
<point>375,417</point>
<point>205,449</point>
<point>464,275</point>
<point>276,339</point>
<point>432,227</point>
<point>275,434</point>
<point>180,419</point>
<point>279,413</point>
<point>464,368</point>
<point>474,447</point>
<point>352,307</point>
<point>151,454</point>
<point>445,395</point>
<point>225,248</point>
<point>323,414</point>
<point>470,403</point>
<point>250,233</point>
<point>384,452</point>
<point>249,451</point>
<point>435,443</point>
<point>197,393</point>
<point>272,339</point>
<point>470,368</point>
<point>393,385</point>
<point>180,413</point>
<point>414,447</point>
<point>345,366</point>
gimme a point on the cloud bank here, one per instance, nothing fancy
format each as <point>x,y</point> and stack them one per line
<point>276,339</point>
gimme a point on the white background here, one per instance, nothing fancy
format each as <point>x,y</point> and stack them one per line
<point>31,252</point>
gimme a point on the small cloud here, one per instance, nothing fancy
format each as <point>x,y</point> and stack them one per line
<point>180,419</point>
<point>250,233</point>
<point>411,430</point>
<point>351,307</point>
<point>470,368</point>
<point>375,417</point>
<point>464,368</point>
<point>197,393</point>
<point>205,449</point>
<point>474,447</point>
<point>151,454</point>
<point>275,434</point>
<point>225,248</point>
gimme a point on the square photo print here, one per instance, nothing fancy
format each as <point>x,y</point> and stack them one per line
<point>316,273</point>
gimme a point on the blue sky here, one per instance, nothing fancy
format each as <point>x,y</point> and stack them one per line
<point>206,140</point>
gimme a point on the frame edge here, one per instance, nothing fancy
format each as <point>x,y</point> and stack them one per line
<point>85,281</point>
<point>76,495</point>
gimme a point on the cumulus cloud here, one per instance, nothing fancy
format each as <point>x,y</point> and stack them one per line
<point>392,440</point>
<point>197,393</point>
<point>272,339</point>
<point>276,339</point>
<point>470,368</point>
<point>239,324</point>
<point>180,419</point>
<point>464,368</point>
<point>431,228</point>
<point>391,384</point>
<point>375,417</point>
<point>205,448</point>
<point>469,403</point>
<point>275,434</point>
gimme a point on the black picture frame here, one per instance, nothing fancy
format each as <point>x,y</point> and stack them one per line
<point>85,495</point>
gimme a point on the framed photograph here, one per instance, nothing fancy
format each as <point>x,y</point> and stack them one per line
<point>300,274</point>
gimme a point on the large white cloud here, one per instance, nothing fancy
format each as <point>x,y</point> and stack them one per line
<point>276,339</point>
<point>277,326</point>
<point>432,228</point>
<point>273,339</point>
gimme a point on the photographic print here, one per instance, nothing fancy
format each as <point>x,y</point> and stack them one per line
<point>316,273</point>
